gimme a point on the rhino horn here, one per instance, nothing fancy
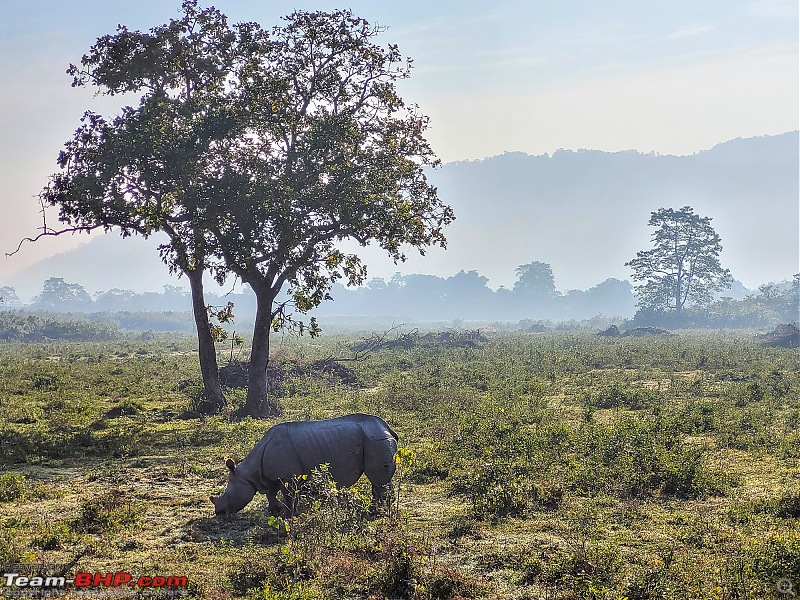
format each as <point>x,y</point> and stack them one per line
<point>230,464</point>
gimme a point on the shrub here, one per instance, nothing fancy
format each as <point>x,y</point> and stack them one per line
<point>12,486</point>
<point>105,513</point>
<point>618,395</point>
<point>11,548</point>
<point>55,535</point>
<point>632,457</point>
<point>776,556</point>
<point>327,514</point>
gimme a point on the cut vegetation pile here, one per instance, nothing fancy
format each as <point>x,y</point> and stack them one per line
<point>459,338</point>
<point>783,336</point>
<point>613,331</point>
<point>234,374</point>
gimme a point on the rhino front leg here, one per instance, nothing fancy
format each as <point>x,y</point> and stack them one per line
<point>275,505</point>
<point>290,498</point>
<point>382,498</point>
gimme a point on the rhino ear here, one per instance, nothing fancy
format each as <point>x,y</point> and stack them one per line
<point>230,464</point>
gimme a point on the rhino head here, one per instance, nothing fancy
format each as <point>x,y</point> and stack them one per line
<point>237,495</point>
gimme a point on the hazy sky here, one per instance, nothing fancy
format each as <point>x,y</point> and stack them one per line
<point>674,77</point>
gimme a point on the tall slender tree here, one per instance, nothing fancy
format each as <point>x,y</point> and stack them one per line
<point>683,265</point>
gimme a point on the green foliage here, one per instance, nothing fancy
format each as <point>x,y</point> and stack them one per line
<point>556,465</point>
<point>535,281</point>
<point>54,535</point>
<point>618,395</point>
<point>8,298</point>
<point>292,139</point>
<point>777,555</point>
<point>294,591</point>
<point>57,294</point>
<point>12,486</point>
<point>106,513</point>
<point>253,569</point>
<point>327,515</point>
<point>632,457</point>
<point>11,548</point>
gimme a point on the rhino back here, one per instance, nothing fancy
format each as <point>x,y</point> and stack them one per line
<point>374,428</point>
<point>260,466</point>
<point>297,447</point>
<point>338,442</point>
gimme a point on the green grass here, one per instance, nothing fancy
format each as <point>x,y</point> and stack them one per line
<point>558,465</point>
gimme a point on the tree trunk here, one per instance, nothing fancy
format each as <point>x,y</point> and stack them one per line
<point>215,400</point>
<point>258,403</point>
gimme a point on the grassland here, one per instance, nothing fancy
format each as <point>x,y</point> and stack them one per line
<point>555,465</point>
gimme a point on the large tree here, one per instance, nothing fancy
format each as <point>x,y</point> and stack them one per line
<point>9,298</point>
<point>256,152</point>
<point>328,151</point>
<point>683,265</point>
<point>155,167</point>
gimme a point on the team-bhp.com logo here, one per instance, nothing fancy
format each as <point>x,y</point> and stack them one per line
<point>19,581</point>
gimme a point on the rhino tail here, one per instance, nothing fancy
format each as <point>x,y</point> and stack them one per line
<point>394,435</point>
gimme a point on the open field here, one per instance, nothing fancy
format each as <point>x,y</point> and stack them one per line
<point>555,465</point>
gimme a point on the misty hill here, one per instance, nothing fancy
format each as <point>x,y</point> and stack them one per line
<point>583,212</point>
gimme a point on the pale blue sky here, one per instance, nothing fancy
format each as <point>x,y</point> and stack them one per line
<point>672,77</point>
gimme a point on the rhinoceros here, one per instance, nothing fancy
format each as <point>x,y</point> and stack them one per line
<point>351,445</point>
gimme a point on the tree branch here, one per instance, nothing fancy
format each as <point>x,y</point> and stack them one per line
<point>53,233</point>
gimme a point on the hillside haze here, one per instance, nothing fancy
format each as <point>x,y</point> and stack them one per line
<point>584,212</point>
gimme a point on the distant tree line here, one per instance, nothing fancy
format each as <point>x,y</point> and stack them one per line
<point>466,296</point>
<point>26,327</point>
<point>773,304</point>
<point>463,296</point>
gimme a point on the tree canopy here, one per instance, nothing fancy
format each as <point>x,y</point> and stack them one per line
<point>683,265</point>
<point>58,294</point>
<point>256,151</point>
<point>535,281</point>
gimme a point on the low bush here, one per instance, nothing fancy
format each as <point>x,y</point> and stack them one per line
<point>106,513</point>
<point>12,486</point>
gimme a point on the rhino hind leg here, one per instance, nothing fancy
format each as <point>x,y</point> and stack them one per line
<point>379,467</point>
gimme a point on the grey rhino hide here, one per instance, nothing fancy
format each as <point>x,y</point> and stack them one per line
<point>352,445</point>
